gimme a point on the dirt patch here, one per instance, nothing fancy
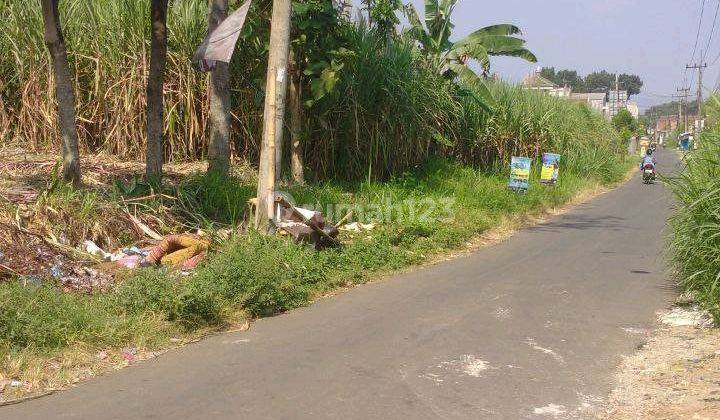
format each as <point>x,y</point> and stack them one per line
<point>44,228</point>
<point>676,375</point>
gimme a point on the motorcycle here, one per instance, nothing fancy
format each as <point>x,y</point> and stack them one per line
<point>648,173</point>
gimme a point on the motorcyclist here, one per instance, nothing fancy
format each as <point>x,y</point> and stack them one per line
<point>648,159</point>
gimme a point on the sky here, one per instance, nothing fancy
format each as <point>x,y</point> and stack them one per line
<point>651,38</point>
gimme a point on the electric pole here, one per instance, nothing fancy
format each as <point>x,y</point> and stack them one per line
<point>617,94</point>
<point>683,93</point>
<point>699,67</point>
<point>275,91</point>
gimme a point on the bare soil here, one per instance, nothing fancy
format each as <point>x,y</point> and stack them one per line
<point>676,375</point>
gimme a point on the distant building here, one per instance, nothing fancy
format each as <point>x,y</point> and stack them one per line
<point>535,81</point>
<point>666,124</point>
<point>595,101</point>
<point>607,103</point>
<point>616,100</point>
<point>633,108</point>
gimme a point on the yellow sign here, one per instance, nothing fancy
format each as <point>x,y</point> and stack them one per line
<point>550,167</point>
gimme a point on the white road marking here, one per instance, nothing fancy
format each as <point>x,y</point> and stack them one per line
<point>554,410</point>
<point>532,343</point>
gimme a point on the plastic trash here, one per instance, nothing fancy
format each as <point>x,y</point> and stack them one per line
<point>130,261</point>
<point>56,271</point>
<point>133,250</point>
<point>92,248</point>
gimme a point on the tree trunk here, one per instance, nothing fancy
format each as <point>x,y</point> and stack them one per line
<point>296,123</point>
<point>219,124</point>
<point>63,91</point>
<point>275,92</point>
<point>155,111</point>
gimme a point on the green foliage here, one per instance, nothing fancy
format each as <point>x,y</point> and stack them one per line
<point>318,49</point>
<point>378,126</point>
<point>668,108</point>
<point>526,123</point>
<point>625,123</point>
<point>694,249</point>
<point>210,198</point>
<point>570,78</point>
<point>383,14</point>
<point>599,81</point>
<point>604,81</point>
<point>451,58</point>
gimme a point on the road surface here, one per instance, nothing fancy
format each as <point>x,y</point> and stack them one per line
<point>530,328</point>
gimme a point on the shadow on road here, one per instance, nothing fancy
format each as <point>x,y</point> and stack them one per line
<point>581,222</point>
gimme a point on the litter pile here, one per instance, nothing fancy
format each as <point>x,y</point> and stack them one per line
<point>305,225</point>
<point>32,258</point>
<point>176,251</point>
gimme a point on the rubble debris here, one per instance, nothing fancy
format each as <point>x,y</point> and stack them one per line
<point>30,259</point>
<point>305,225</point>
<point>129,354</point>
<point>691,316</point>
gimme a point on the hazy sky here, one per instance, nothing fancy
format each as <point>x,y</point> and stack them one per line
<point>651,38</point>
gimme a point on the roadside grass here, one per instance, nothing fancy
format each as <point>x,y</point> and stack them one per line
<point>436,209</point>
<point>694,243</point>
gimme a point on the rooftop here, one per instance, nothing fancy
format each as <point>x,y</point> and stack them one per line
<point>535,80</point>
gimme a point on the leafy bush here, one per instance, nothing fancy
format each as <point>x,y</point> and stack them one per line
<point>695,225</point>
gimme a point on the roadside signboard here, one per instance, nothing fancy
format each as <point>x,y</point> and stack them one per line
<point>550,168</point>
<point>519,173</point>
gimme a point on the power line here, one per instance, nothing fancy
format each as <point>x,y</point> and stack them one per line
<point>697,36</point>
<point>712,32</point>
<point>658,95</point>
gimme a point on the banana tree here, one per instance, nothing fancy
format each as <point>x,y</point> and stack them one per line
<point>452,58</point>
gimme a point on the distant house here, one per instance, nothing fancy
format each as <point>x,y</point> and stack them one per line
<point>665,126</point>
<point>535,81</point>
<point>607,103</point>
<point>595,101</point>
<point>666,123</point>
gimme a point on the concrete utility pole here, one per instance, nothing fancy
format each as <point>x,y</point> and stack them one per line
<point>699,67</point>
<point>275,91</point>
<point>617,94</point>
<point>683,93</point>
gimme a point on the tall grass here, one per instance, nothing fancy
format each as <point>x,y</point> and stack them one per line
<point>108,47</point>
<point>380,126</point>
<point>388,113</point>
<point>528,123</point>
<point>695,225</point>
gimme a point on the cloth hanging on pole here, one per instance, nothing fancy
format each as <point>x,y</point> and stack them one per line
<point>219,45</point>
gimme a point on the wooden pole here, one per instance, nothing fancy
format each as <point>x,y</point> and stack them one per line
<point>275,92</point>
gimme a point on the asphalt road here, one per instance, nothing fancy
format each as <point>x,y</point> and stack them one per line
<point>530,328</point>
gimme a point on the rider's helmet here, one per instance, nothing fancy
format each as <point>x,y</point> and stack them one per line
<point>649,152</point>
